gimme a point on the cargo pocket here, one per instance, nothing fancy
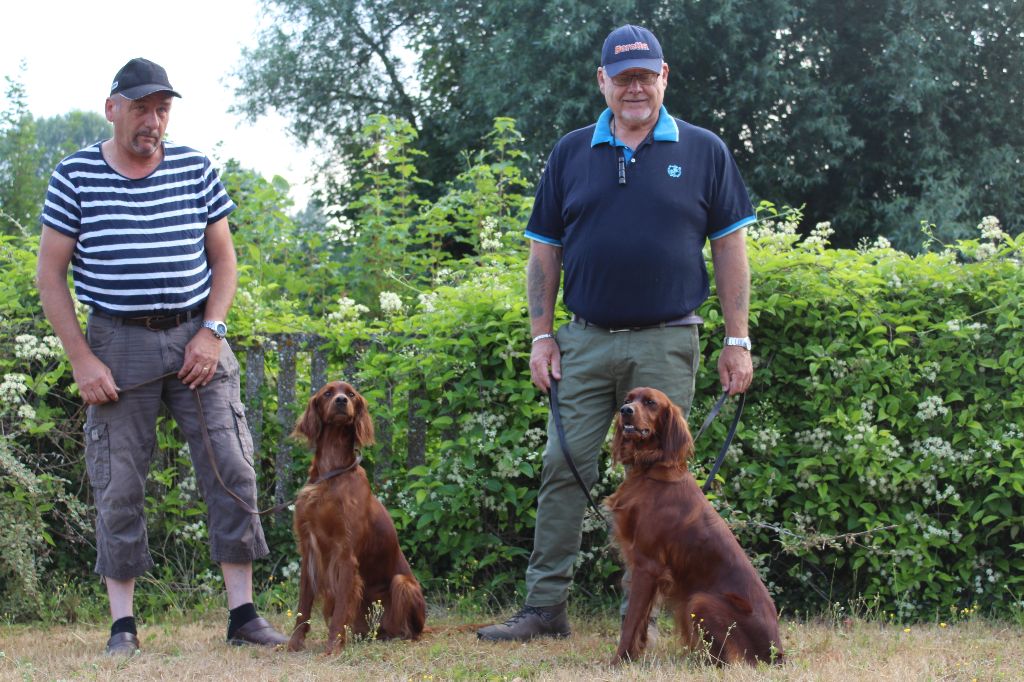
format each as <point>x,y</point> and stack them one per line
<point>242,429</point>
<point>97,454</point>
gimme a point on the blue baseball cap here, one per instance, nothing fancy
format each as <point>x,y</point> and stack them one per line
<point>631,47</point>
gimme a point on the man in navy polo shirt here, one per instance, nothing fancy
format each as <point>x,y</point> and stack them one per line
<point>624,207</point>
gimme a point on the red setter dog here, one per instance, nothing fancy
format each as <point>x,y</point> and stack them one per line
<point>349,547</point>
<point>676,544</point>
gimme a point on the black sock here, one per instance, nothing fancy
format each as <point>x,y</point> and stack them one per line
<point>126,624</point>
<point>239,616</point>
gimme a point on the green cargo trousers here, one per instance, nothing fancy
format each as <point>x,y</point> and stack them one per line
<point>599,367</point>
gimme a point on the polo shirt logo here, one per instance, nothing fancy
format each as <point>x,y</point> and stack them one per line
<point>674,171</point>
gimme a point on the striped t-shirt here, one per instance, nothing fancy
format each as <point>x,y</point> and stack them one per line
<point>140,243</point>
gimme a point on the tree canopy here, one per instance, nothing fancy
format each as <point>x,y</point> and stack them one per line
<point>31,147</point>
<point>876,114</point>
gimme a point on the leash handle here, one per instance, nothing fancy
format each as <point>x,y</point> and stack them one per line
<point>208,444</point>
<point>553,397</point>
<point>728,438</point>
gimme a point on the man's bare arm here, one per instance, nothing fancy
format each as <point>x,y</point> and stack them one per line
<point>543,277</point>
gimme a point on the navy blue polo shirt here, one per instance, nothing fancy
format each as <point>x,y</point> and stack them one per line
<point>632,253</point>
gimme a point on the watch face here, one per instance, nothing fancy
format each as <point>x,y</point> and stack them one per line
<point>218,328</point>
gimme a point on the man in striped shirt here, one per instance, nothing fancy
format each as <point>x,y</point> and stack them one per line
<point>143,225</point>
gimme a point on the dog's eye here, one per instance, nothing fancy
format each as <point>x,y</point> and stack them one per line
<point>351,394</point>
<point>328,393</point>
<point>650,403</point>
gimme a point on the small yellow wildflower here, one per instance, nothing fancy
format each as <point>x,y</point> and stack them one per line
<point>906,629</point>
<point>942,625</point>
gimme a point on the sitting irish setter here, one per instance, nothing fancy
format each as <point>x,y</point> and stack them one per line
<point>676,544</point>
<point>349,547</point>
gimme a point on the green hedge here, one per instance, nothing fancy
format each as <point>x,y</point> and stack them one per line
<point>881,457</point>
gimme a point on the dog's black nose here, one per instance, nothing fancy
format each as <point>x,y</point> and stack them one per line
<point>626,409</point>
<point>341,400</point>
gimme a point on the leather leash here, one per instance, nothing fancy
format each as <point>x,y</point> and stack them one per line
<point>728,438</point>
<point>208,445</point>
<point>553,397</point>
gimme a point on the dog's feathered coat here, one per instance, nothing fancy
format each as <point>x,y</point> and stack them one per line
<point>348,543</point>
<point>676,544</point>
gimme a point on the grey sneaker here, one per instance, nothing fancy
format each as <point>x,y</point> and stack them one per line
<point>530,622</point>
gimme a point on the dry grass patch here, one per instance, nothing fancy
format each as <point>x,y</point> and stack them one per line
<point>857,650</point>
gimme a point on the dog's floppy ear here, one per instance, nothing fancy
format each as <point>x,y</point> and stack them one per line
<point>309,424</point>
<point>675,435</point>
<point>363,423</point>
<point>618,443</point>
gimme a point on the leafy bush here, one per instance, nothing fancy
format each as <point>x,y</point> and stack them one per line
<point>881,456</point>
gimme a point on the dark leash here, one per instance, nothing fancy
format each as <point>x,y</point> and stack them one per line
<point>728,438</point>
<point>553,396</point>
<point>208,445</point>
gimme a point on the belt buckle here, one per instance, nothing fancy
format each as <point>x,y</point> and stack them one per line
<point>622,329</point>
<point>148,321</point>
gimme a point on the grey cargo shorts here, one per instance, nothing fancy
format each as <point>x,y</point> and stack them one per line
<point>120,441</point>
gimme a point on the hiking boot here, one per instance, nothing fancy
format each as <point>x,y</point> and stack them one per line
<point>530,622</point>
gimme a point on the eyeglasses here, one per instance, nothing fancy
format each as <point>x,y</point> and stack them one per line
<point>645,78</point>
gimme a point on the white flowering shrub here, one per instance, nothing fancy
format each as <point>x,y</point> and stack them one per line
<point>881,456</point>
<point>888,458</point>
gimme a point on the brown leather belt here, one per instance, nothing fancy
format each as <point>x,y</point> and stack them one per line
<point>684,321</point>
<point>157,322</point>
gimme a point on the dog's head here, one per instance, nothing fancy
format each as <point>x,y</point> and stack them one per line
<point>336,405</point>
<point>651,428</point>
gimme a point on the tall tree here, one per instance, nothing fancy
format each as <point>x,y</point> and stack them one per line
<point>63,134</point>
<point>21,182</point>
<point>877,114</point>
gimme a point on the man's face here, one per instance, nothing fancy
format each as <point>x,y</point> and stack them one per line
<point>633,103</point>
<point>139,124</point>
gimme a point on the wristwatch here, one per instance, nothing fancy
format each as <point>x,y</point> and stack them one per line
<point>219,329</point>
<point>743,341</point>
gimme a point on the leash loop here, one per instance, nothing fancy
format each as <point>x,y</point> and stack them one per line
<point>208,445</point>
<point>728,438</point>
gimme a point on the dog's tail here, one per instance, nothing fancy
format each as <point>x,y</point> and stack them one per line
<point>408,612</point>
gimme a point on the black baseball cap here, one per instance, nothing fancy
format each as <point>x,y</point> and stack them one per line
<point>141,77</point>
<point>631,47</point>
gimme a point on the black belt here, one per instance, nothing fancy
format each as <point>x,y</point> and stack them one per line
<point>157,322</point>
<point>684,321</point>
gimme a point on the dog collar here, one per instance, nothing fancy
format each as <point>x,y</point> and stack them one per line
<point>338,472</point>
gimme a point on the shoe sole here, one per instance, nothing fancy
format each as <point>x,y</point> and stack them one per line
<point>553,635</point>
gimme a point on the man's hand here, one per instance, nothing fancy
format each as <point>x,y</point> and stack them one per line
<point>202,355</point>
<point>735,369</point>
<point>95,382</point>
<point>544,355</point>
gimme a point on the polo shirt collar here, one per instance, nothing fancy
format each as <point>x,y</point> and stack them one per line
<point>665,130</point>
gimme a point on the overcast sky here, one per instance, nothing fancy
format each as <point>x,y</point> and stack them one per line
<point>72,49</point>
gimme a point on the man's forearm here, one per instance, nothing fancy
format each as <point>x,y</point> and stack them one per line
<point>543,276</point>
<point>732,280</point>
<point>60,312</point>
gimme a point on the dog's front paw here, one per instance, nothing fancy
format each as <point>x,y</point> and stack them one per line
<point>297,642</point>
